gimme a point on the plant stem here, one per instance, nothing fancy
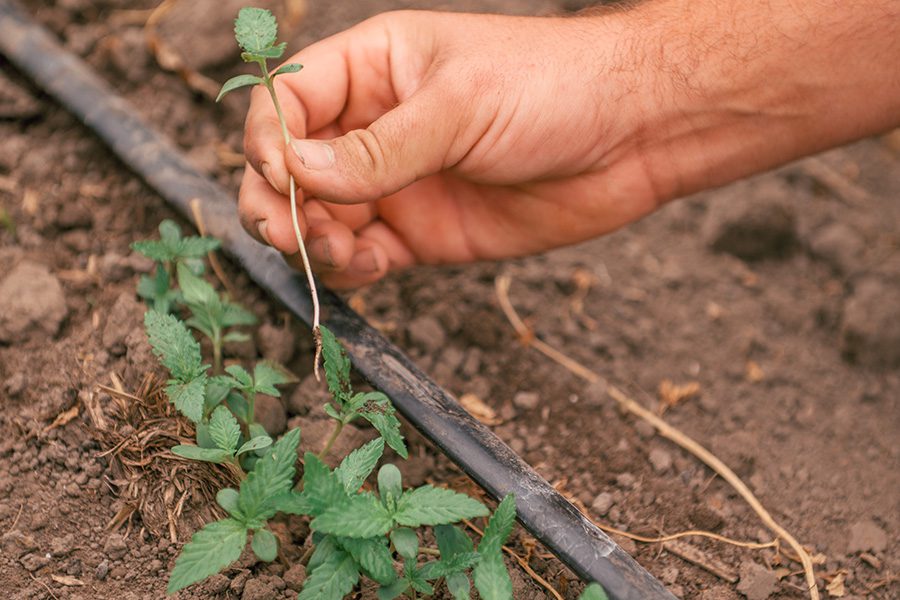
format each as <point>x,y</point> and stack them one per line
<point>338,427</point>
<point>317,335</point>
<point>430,551</point>
<point>217,353</point>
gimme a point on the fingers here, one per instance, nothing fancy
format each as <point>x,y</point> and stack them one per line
<point>266,214</point>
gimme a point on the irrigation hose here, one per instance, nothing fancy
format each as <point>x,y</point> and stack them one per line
<point>587,550</point>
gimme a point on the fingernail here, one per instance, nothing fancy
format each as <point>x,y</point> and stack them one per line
<point>321,249</point>
<point>364,261</point>
<point>263,228</point>
<point>314,155</point>
<point>267,173</point>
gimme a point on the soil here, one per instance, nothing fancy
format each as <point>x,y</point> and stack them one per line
<point>762,317</point>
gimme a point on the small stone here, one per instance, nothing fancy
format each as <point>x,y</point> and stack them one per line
<point>757,582</point>
<point>626,480</point>
<point>31,300</point>
<point>660,459</point>
<point>33,562</point>
<point>602,503</point>
<point>527,400</point>
<point>255,589</point>
<point>295,576</point>
<point>870,333</point>
<point>425,332</point>
<point>270,414</point>
<point>115,547</point>
<point>866,536</point>
<point>276,343</point>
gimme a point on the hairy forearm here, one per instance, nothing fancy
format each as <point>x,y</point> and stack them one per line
<point>732,88</point>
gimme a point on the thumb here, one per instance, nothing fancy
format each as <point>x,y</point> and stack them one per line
<point>407,143</point>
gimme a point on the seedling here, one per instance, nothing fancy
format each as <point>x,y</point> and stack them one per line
<point>256,32</point>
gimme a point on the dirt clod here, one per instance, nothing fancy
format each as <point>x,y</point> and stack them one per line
<point>839,245</point>
<point>33,562</point>
<point>866,536</point>
<point>256,589</point>
<point>425,332</point>
<point>115,547</point>
<point>276,343</point>
<point>602,503</point>
<point>660,459</point>
<point>295,576</point>
<point>124,317</point>
<point>31,303</point>
<point>270,414</point>
<point>757,582</point>
<point>752,230</point>
<point>870,333</point>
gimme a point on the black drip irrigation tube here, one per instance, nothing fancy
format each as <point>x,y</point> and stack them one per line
<point>582,546</point>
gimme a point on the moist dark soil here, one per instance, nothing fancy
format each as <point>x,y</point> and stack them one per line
<point>763,318</point>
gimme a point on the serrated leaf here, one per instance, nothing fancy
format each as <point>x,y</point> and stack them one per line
<point>276,51</point>
<point>593,591</point>
<point>271,476</point>
<point>169,232</point>
<point>287,68</point>
<point>380,414</point>
<point>492,579</point>
<point>224,429</point>
<point>227,498</point>
<point>291,503</point>
<point>257,443</point>
<point>326,547</point>
<point>332,579</point>
<point>267,374</point>
<point>321,486</point>
<point>447,566</point>
<point>213,455</point>
<point>241,376</point>
<point>394,590</point>
<point>264,545</point>
<point>255,29</point>
<point>189,398</point>
<point>235,314</point>
<point>358,465</point>
<point>217,388</point>
<point>452,540</point>
<point>360,516</point>
<point>210,550</point>
<point>237,82</point>
<point>176,348</point>
<point>337,366</point>
<point>196,291</point>
<point>239,407</point>
<point>390,485</point>
<point>406,542</point>
<point>153,250</point>
<point>499,527</point>
<point>459,586</point>
<point>373,557</point>
<point>436,506</point>
<point>415,579</point>
<point>196,247</point>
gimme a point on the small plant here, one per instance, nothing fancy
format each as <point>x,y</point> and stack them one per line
<point>256,32</point>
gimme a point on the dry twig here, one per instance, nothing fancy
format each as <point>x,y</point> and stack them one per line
<point>527,336</point>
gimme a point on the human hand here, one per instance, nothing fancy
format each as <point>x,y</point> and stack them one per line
<point>452,138</point>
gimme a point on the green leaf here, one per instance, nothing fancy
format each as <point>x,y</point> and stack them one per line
<point>325,550</point>
<point>406,542</point>
<point>236,336</point>
<point>390,485</point>
<point>394,590</point>
<point>255,29</point>
<point>210,550</point>
<point>321,487</point>
<point>337,366</point>
<point>268,374</point>
<point>239,407</point>
<point>447,566</point>
<point>492,579</point>
<point>153,250</point>
<point>238,82</point>
<point>287,68</point>
<point>332,579</point>
<point>257,443</point>
<point>189,398</point>
<point>379,411</point>
<point>360,516</point>
<point>195,247</point>
<point>459,586</point>
<point>171,246</point>
<point>195,289</point>
<point>436,506</point>
<point>177,349</point>
<point>451,540</point>
<point>217,388</point>
<point>235,314</point>
<point>213,455</point>
<point>241,376</point>
<point>357,465</point>
<point>272,475</point>
<point>373,557</point>
<point>593,591</point>
<point>499,526</point>
<point>224,429</point>
<point>415,579</point>
<point>291,503</point>
<point>265,545</point>
<point>169,232</point>
<point>227,498</point>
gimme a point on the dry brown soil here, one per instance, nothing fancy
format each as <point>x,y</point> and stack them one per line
<point>779,298</point>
